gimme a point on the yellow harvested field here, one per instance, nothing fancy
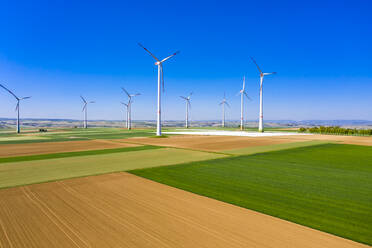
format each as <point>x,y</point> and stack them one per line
<point>225,143</point>
<point>12,150</point>
<point>123,210</point>
<point>352,140</point>
<point>210,143</point>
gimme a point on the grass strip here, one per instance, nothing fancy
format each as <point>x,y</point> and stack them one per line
<point>74,154</point>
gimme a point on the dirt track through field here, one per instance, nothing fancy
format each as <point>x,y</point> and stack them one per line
<point>123,210</point>
<point>12,150</point>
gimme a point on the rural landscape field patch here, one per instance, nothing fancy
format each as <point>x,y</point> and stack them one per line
<point>36,171</point>
<point>327,187</point>
<point>12,150</point>
<point>72,134</point>
<point>123,210</point>
<point>213,143</point>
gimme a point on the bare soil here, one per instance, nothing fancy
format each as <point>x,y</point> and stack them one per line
<point>353,140</point>
<point>123,210</point>
<point>223,143</point>
<point>210,143</point>
<point>12,150</point>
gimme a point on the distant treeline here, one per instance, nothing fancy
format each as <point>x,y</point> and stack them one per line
<point>336,130</point>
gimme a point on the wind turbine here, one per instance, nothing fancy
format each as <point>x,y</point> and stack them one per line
<point>17,106</point>
<point>129,107</point>
<point>188,104</point>
<point>242,93</point>
<point>262,74</point>
<point>85,107</point>
<point>223,103</point>
<point>159,63</point>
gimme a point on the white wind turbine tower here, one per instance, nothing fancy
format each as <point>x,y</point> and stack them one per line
<point>262,74</point>
<point>17,106</point>
<point>159,63</point>
<point>242,93</point>
<point>188,105</point>
<point>129,107</point>
<point>85,107</point>
<point>223,103</point>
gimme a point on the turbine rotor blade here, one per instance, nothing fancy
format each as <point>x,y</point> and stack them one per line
<point>245,93</point>
<point>9,91</point>
<point>227,104</point>
<point>152,55</point>
<point>268,73</point>
<point>170,56</point>
<point>162,76</point>
<point>126,92</point>
<point>92,102</point>
<point>184,98</point>
<point>82,98</point>
<point>85,105</point>
<point>243,82</point>
<point>256,64</point>
<point>26,97</point>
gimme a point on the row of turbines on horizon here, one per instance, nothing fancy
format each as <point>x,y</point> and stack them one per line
<point>187,99</point>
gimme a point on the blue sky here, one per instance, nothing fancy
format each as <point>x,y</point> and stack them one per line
<point>57,50</point>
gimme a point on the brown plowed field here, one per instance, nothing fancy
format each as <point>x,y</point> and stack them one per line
<point>223,143</point>
<point>11,150</point>
<point>123,210</point>
<point>210,143</point>
<point>353,140</point>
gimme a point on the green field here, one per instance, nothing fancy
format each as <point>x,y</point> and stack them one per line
<point>327,187</point>
<point>47,168</point>
<point>73,134</point>
<point>276,147</point>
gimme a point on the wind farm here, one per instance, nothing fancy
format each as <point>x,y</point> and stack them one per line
<point>188,152</point>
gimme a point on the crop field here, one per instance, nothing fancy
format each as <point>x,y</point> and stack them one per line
<point>31,170</point>
<point>72,134</point>
<point>228,144</point>
<point>123,210</point>
<point>53,193</point>
<point>326,187</point>
<point>11,150</point>
<point>212,143</point>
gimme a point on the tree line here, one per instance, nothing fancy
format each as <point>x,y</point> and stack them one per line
<point>336,130</point>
